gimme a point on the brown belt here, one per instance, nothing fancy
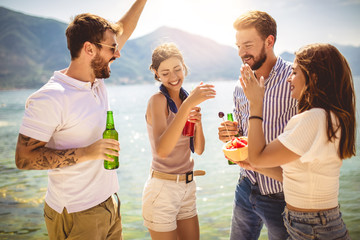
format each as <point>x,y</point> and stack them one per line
<point>188,177</point>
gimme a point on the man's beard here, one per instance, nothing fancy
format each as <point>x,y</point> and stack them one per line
<point>259,61</point>
<point>100,67</point>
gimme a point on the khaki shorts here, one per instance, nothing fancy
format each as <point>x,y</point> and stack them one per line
<point>165,202</point>
<point>92,223</point>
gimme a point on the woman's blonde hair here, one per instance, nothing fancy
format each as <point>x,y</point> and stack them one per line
<point>164,52</point>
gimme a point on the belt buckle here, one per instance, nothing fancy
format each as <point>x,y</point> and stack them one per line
<point>189,177</point>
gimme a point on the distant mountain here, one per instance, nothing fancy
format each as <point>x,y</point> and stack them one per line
<point>206,59</point>
<point>31,48</point>
<point>288,56</point>
<point>351,53</point>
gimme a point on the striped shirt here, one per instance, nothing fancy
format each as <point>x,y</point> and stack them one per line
<point>278,108</point>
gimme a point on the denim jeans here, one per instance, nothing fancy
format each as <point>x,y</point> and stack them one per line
<point>325,225</point>
<point>252,210</point>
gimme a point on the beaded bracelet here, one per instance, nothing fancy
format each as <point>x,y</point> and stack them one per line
<point>256,117</point>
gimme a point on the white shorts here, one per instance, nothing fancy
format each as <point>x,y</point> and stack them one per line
<point>165,201</point>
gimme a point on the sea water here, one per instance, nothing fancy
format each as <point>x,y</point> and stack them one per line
<point>22,192</point>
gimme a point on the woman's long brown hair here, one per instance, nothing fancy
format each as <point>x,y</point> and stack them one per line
<point>329,85</point>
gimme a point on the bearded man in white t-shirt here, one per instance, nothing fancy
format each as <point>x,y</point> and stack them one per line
<point>62,132</point>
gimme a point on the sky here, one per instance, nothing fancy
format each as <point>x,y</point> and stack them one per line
<point>299,22</point>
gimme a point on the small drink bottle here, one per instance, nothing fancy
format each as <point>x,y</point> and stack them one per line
<point>230,118</point>
<point>110,133</point>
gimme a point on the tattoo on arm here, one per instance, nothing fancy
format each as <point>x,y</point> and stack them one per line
<point>40,157</point>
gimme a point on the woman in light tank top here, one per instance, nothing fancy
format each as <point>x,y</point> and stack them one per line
<point>169,201</point>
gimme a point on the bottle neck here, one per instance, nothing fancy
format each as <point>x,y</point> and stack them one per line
<point>110,120</point>
<point>230,117</point>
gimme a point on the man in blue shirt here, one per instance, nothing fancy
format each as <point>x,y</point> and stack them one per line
<point>259,199</point>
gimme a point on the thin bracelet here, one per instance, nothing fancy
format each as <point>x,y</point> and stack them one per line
<point>256,117</point>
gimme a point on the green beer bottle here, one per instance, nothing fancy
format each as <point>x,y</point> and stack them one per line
<point>110,133</point>
<point>230,118</point>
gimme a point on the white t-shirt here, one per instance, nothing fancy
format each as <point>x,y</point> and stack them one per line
<point>67,113</point>
<point>311,182</point>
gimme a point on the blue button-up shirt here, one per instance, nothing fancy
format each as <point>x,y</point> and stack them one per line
<point>278,108</point>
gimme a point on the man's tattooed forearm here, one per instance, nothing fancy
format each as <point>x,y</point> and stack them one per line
<point>42,157</point>
<point>50,158</point>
